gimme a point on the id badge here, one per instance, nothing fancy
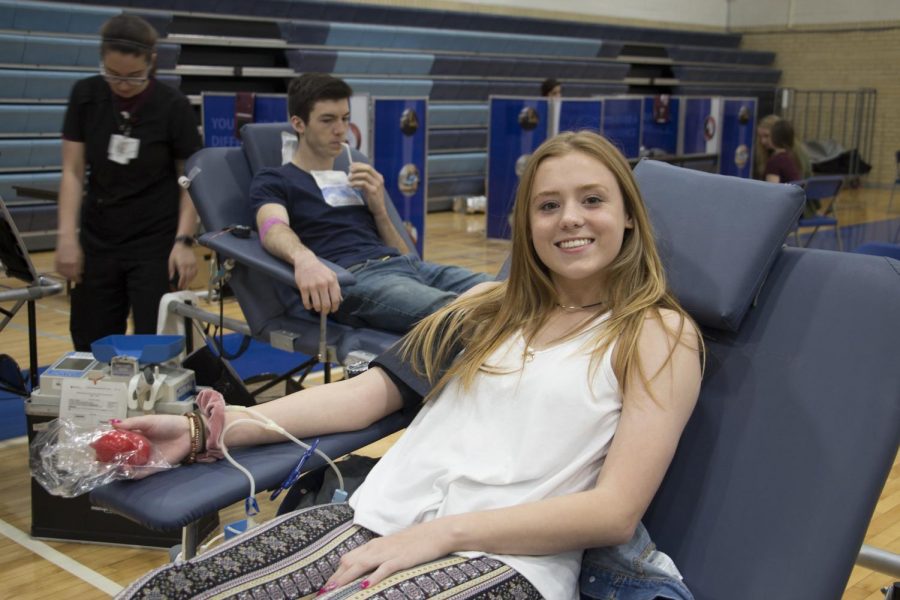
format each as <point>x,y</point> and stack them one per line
<point>123,148</point>
<point>336,189</point>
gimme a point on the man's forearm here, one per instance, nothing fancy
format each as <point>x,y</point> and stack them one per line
<point>281,241</point>
<point>389,234</point>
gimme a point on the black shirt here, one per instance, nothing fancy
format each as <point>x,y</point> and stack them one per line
<point>131,209</point>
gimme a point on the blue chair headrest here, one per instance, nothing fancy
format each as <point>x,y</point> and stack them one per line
<point>262,144</point>
<point>717,236</point>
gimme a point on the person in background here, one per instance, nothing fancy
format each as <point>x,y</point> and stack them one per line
<point>762,150</point>
<point>557,399</point>
<point>783,166</point>
<point>551,88</point>
<point>126,232</point>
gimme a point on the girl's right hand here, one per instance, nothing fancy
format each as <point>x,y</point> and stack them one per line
<point>69,258</point>
<point>170,434</point>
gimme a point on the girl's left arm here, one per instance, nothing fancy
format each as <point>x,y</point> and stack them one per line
<point>182,259</point>
<point>653,417</point>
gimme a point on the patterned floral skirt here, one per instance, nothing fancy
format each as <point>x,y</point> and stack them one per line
<point>294,555</point>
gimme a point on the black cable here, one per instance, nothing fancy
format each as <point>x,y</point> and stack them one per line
<point>220,343</point>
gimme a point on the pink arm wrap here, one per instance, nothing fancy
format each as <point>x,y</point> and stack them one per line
<point>212,408</point>
<point>267,225</point>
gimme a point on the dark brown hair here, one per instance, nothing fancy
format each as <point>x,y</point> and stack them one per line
<point>309,88</point>
<point>128,34</point>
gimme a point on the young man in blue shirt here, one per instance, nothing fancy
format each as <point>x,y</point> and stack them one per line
<point>306,211</point>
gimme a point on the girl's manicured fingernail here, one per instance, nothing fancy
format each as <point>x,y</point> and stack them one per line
<point>364,584</point>
<point>327,588</point>
<point>115,421</point>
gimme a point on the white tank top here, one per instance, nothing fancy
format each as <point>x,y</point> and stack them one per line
<point>536,428</point>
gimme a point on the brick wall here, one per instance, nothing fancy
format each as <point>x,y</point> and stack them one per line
<point>836,59</point>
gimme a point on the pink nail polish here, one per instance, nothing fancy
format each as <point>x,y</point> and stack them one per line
<point>364,584</point>
<point>115,421</point>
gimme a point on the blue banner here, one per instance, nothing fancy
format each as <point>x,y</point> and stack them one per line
<point>738,136</point>
<point>660,123</point>
<point>622,124</point>
<point>575,115</point>
<point>517,127</point>
<point>695,133</point>
<point>399,154</point>
<point>218,116</point>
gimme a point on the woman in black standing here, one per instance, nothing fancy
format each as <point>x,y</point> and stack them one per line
<point>131,135</point>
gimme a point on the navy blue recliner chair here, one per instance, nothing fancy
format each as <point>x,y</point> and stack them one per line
<point>780,467</point>
<point>219,187</point>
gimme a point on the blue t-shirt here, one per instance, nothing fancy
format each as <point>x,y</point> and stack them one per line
<point>345,235</point>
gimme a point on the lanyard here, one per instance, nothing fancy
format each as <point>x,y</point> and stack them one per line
<point>123,122</point>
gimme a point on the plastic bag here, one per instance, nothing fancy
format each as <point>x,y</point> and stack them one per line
<point>69,461</point>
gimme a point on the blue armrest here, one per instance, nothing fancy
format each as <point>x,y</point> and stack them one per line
<point>175,498</point>
<point>249,252</point>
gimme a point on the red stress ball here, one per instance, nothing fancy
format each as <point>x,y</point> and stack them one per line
<point>119,445</point>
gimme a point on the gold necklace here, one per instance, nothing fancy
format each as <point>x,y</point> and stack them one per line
<point>586,306</point>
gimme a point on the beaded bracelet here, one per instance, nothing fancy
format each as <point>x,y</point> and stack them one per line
<point>195,426</point>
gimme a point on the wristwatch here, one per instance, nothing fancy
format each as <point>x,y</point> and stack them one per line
<point>187,240</point>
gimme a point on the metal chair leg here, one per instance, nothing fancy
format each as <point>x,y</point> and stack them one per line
<point>811,236</point>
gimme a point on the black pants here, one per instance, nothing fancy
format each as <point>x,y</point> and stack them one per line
<point>109,287</point>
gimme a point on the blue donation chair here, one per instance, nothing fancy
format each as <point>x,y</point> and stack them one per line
<point>219,186</point>
<point>781,464</point>
<point>879,249</point>
<point>821,201</point>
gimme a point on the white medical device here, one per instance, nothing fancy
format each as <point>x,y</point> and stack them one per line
<point>161,388</point>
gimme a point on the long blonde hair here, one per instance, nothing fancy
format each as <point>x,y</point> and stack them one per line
<point>761,155</point>
<point>481,322</point>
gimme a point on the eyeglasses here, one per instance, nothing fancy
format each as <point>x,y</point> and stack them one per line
<point>132,81</point>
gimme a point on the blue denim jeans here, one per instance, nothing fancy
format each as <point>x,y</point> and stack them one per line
<point>395,293</point>
<point>629,572</point>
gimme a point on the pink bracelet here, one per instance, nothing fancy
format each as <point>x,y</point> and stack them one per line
<point>212,409</point>
<point>267,225</point>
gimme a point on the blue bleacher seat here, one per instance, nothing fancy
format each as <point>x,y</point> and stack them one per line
<point>38,85</point>
<point>24,120</point>
<point>445,187</point>
<point>30,154</point>
<point>726,74</point>
<point>56,18</point>
<point>457,115</point>
<point>470,138</point>
<point>497,66</point>
<point>35,219</point>
<point>464,164</point>
<point>41,51</point>
<point>720,55</point>
<point>410,88</point>
<point>348,62</point>
<point>345,34</point>
<point>33,84</point>
<point>43,181</point>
